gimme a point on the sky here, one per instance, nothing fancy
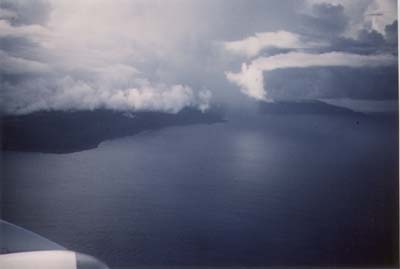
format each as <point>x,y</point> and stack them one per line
<point>157,55</point>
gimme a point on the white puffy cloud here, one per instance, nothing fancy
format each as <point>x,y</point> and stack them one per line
<point>253,45</point>
<point>70,94</point>
<point>251,79</point>
<point>204,97</point>
<point>89,54</point>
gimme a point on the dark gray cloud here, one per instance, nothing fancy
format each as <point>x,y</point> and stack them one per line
<point>367,42</point>
<point>325,19</point>
<point>26,12</point>
<point>17,45</point>
<point>391,33</point>
<point>330,22</point>
<point>379,83</point>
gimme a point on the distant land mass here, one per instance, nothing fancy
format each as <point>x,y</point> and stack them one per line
<point>303,107</point>
<point>72,131</point>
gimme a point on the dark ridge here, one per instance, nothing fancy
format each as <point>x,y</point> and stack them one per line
<point>303,107</point>
<point>71,131</point>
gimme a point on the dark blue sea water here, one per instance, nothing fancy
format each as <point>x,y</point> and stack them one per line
<point>256,190</point>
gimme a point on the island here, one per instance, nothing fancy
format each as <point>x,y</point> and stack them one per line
<point>298,107</point>
<point>72,131</point>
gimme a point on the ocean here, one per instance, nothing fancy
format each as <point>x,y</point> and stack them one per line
<point>257,190</point>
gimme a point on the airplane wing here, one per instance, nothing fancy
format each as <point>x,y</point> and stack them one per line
<point>22,249</point>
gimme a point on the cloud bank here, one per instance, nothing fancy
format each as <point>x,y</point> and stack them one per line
<point>58,55</point>
<point>251,79</point>
<point>337,34</point>
<point>161,55</point>
<point>68,94</point>
<point>253,45</point>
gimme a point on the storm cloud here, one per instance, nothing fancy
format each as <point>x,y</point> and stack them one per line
<point>62,56</point>
<point>251,80</point>
<point>166,55</point>
<point>339,41</point>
